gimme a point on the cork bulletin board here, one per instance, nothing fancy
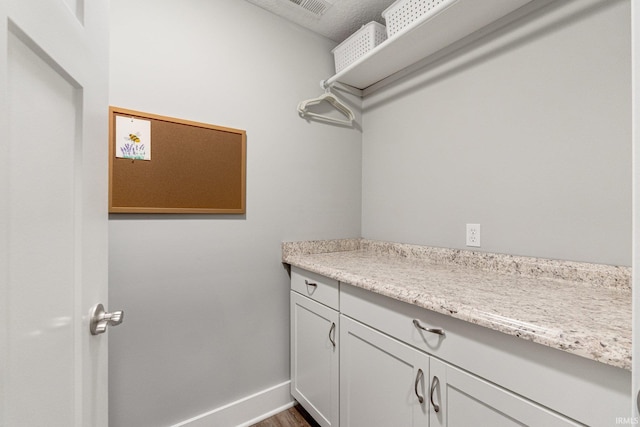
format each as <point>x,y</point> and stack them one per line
<point>192,167</point>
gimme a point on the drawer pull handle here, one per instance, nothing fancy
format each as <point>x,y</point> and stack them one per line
<point>308,283</point>
<point>332,330</point>
<point>438,331</point>
<point>418,377</point>
<point>434,384</point>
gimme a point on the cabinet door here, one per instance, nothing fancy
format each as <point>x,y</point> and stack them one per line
<point>314,358</point>
<point>464,400</point>
<point>382,381</point>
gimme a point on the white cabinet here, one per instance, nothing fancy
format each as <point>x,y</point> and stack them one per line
<point>360,359</point>
<point>383,382</point>
<point>314,358</point>
<point>584,390</point>
<point>462,400</point>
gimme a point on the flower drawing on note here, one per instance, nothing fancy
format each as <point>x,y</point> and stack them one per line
<point>133,138</point>
<point>133,148</point>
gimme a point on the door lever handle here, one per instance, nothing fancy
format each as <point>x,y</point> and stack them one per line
<point>100,319</point>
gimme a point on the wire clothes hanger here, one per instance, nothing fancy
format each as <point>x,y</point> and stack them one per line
<point>329,97</point>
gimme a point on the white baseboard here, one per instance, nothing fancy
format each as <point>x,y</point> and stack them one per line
<point>246,411</point>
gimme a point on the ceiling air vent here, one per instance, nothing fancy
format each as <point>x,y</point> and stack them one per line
<point>317,7</point>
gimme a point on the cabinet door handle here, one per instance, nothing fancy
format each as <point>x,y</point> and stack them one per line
<point>332,330</point>
<point>418,377</point>
<point>308,283</point>
<point>434,383</point>
<point>438,331</point>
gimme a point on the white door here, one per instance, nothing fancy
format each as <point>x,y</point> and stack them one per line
<point>53,211</point>
<point>314,358</point>
<point>462,399</point>
<point>383,382</point>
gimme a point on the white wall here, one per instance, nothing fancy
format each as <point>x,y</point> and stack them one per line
<point>206,297</point>
<point>529,135</point>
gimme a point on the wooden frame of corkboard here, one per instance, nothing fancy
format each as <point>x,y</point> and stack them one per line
<point>194,168</point>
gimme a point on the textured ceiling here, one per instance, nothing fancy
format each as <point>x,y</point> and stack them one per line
<point>340,20</point>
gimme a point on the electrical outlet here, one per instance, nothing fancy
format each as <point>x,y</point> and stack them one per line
<point>473,235</point>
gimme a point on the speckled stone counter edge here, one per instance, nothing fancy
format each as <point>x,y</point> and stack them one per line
<point>610,276</point>
<point>319,247</point>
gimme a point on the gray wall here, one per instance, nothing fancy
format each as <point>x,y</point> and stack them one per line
<point>206,297</point>
<point>529,135</point>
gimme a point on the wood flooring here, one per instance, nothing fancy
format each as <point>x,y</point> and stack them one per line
<point>294,417</point>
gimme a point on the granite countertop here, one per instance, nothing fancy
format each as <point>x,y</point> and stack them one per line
<point>581,308</point>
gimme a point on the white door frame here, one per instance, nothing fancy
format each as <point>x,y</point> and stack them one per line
<point>635,124</point>
<point>4,209</point>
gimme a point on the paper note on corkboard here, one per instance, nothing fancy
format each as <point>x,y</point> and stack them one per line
<point>133,138</point>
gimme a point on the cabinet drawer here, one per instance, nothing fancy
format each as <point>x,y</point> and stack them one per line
<point>316,287</point>
<point>397,318</point>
